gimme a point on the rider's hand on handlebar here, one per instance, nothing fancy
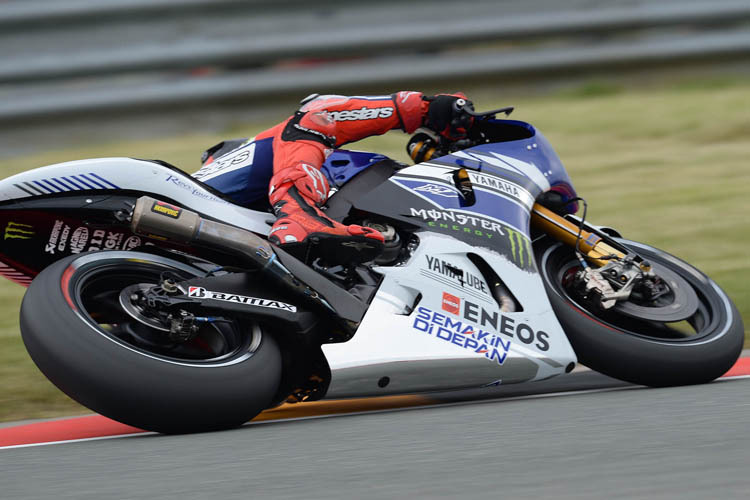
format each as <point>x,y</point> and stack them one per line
<point>446,115</point>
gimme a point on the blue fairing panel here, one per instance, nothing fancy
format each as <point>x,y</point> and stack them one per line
<point>535,150</point>
<point>342,165</point>
<point>248,185</point>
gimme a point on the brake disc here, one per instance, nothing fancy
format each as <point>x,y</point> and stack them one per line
<point>683,305</point>
<point>136,311</point>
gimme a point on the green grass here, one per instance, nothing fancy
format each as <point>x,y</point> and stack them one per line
<point>667,165</point>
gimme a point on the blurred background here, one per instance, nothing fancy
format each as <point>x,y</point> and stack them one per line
<point>647,103</point>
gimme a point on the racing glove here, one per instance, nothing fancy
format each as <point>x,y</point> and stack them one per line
<point>446,117</point>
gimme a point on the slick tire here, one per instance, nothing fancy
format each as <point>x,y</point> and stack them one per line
<point>150,389</point>
<point>646,351</point>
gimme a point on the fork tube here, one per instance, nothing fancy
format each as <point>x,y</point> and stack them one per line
<point>591,245</point>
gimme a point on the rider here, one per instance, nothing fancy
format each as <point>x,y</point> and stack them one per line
<point>287,159</point>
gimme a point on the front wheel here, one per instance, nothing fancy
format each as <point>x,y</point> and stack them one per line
<point>78,334</point>
<point>651,349</point>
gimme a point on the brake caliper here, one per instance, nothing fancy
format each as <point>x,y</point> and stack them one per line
<point>614,281</point>
<point>182,327</point>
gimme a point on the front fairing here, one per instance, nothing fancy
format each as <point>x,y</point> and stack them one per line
<point>434,325</point>
<point>535,150</point>
<point>507,177</point>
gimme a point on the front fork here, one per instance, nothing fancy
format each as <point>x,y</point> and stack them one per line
<point>610,272</point>
<point>597,252</point>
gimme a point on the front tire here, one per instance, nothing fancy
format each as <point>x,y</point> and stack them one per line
<point>644,351</point>
<point>80,338</point>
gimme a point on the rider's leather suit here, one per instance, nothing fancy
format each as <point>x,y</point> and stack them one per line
<point>285,162</point>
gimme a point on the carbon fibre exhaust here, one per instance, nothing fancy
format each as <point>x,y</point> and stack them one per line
<point>163,221</point>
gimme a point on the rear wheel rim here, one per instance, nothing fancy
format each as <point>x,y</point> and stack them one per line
<point>95,291</point>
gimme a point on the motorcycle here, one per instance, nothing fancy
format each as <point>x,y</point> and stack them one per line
<point>156,301</point>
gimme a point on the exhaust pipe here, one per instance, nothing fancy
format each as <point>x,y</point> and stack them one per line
<point>163,221</point>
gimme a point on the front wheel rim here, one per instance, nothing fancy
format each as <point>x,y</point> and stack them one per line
<point>704,321</point>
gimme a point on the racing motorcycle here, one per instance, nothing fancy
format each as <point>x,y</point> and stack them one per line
<point>156,301</point>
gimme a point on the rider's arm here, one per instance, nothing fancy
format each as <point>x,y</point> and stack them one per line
<point>358,117</point>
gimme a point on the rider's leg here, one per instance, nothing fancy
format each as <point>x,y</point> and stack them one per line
<point>297,190</point>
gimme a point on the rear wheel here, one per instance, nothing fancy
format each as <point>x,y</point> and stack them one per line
<point>692,333</point>
<point>80,336</point>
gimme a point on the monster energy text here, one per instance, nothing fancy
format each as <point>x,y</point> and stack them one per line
<point>471,224</point>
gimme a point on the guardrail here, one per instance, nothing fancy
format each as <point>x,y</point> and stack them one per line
<point>83,56</point>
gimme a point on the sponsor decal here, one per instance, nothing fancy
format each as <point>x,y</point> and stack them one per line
<point>451,303</point>
<point>497,184</point>
<point>111,240</point>
<point>82,239</point>
<point>509,164</point>
<point>202,293</point>
<point>327,139</point>
<point>78,240</point>
<point>18,231</point>
<point>97,239</point>
<point>131,242</point>
<point>505,325</point>
<point>195,191</point>
<point>63,238</point>
<point>438,190</point>
<point>54,236</point>
<point>317,177</point>
<point>233,160</point>
<point>464,278</point>
<point>520,248</point>
<point>461,334</point>
<point>405,95</point>
<point>445,219</point>
<point>162,208</point>
<point>364,113</point>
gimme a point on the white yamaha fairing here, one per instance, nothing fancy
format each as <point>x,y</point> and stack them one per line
<point>128,174</point>
<point>426,329</point>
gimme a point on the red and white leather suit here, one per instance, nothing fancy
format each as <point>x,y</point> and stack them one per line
<point>292,153</point>
<point>300,146</point>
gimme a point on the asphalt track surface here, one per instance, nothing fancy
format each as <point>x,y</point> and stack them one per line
<point>581,436</point>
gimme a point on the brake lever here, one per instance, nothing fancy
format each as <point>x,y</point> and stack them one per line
<point>488,114</point>
<point>462,106</point>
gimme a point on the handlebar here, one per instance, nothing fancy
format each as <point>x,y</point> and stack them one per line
<point>425,145</point>
<point>463,106</point>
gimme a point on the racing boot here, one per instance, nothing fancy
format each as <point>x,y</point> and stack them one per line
<point>302,229</point>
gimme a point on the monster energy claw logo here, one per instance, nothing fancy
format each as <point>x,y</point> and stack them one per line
<point>18,231</point>
<point>520,247</point>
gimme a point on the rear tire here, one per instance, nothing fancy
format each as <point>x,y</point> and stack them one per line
<point>644,351</point>
<point>142,384</point>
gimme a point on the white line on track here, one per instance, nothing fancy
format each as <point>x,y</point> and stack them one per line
<point>100,438</point>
